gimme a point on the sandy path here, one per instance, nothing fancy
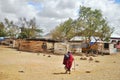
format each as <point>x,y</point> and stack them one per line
<point>30,66</point>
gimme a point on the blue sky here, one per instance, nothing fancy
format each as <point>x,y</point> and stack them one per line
<point>39,6</point>
<point>117,1</point>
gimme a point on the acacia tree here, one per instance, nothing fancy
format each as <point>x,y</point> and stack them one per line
<point>11,28</point>
<point>2,30</point>
<point>92,23</point>
<point>64,31</point>
<point>29,29</point>
<point>89,23</point>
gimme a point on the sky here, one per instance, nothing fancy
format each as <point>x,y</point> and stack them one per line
<point>50,13</point>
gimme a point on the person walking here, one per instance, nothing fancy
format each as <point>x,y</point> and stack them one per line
<point>67,61</point>
<point>44,47</point>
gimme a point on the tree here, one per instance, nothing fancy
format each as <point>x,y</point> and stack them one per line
<point>89,23</point>
<point>2,30</point>
<point>92,23</point>
<point>12,29</point>
<point>29,29</point>
<point>63,31</point>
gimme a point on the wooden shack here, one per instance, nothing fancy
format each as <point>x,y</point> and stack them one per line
<point>100,47</point>
<point>35,45</point>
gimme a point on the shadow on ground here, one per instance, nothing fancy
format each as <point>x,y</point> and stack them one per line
<point>59,73</point>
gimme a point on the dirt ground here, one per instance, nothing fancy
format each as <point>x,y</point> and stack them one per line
<point>15,65</point>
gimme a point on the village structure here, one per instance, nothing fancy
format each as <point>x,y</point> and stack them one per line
<point>76,45</point>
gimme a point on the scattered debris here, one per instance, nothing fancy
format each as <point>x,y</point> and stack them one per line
<point>21,71</point>
<point>49,56</point>
<point>77,65</point>
<point>90,59</point>
<point>83,58</point>
<point>88,71</point>
<point>97,61</point>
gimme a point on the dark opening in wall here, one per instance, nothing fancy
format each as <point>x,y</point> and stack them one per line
<point>11,42</point>
<point>118,42</point>
<point>106,45</point>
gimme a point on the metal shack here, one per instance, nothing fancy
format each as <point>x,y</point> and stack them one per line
<point>63,47</point>
<point>108,48</point>
<point>116,40</point>
<point>75,44</point>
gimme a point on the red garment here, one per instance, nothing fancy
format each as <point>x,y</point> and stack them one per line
<point>68,62</point>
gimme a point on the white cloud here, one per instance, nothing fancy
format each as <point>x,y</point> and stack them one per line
<point>14,9</point>
<point>50,13</point>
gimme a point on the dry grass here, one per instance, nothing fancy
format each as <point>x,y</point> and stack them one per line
<point>15,65</point>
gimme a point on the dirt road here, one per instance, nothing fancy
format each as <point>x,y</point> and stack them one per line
<point>15,65</point>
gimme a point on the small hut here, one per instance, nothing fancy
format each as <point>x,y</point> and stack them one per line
<point>8,42</point>
<point>116,40</point>
<point>60,48</point>
<point>35,45</point>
